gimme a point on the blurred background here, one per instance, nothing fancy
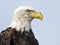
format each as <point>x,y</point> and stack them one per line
<point>47,31</point>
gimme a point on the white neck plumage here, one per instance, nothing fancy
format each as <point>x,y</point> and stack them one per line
<point>21,24</point>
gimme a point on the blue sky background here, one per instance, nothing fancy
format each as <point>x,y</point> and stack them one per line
<point>47,32</point>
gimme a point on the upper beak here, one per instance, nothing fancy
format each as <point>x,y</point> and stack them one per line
<point>37,15</point>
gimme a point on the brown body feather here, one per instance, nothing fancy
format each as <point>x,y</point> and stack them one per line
<point>12,37</point>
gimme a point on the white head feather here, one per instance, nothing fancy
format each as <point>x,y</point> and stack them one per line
<point>21,20</point>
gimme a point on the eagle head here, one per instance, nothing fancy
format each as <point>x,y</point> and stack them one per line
<point>23,16</point>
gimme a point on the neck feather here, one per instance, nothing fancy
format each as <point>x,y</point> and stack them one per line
<point>21,24</point>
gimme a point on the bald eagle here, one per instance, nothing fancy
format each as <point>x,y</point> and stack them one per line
<point>19,32</point>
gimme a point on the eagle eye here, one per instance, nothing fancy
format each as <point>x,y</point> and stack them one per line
<point>29,10</point>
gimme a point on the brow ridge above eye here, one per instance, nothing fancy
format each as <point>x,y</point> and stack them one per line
<point>28,10</point>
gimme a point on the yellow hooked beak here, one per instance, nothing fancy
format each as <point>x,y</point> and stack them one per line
<point>37,15</point>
